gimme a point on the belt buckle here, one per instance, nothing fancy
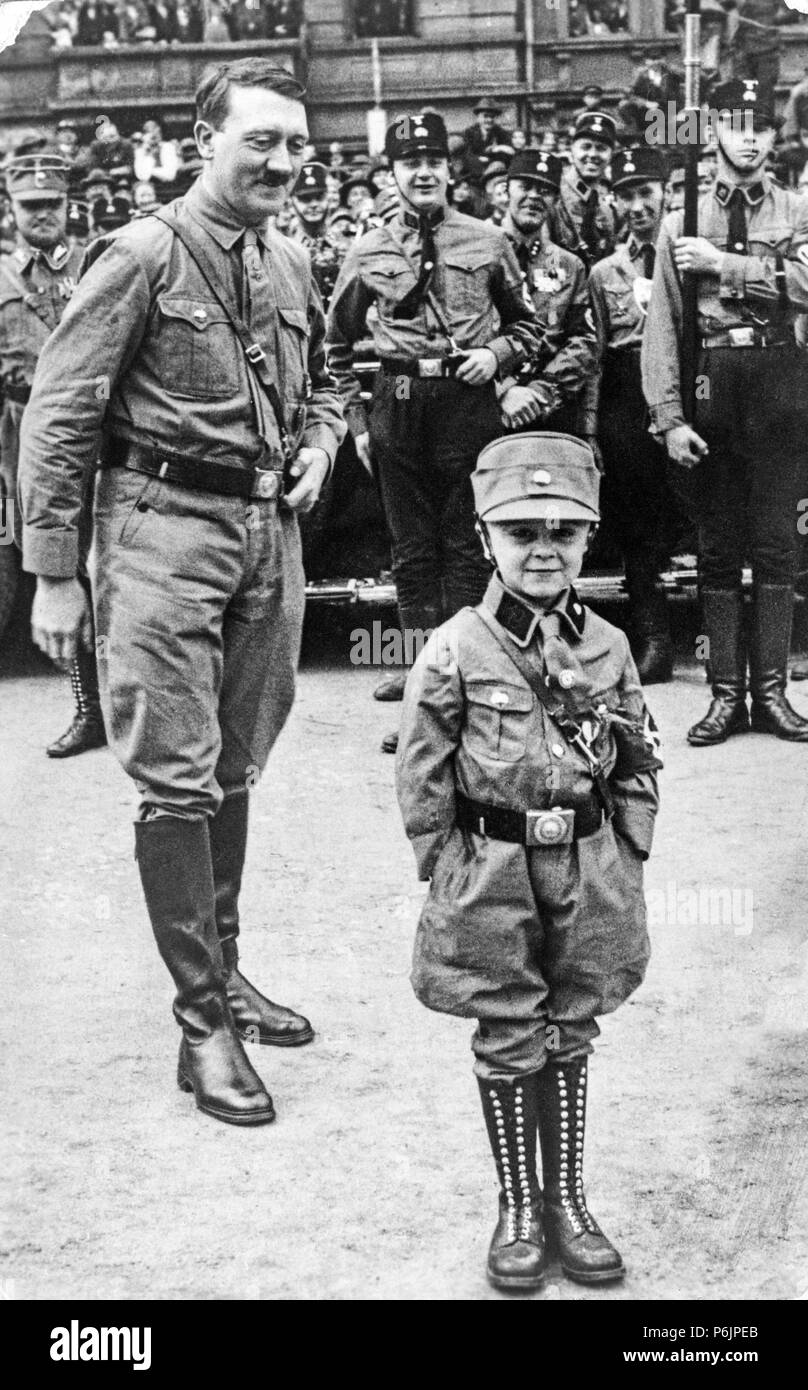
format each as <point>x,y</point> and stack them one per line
<point>430,366</point>
<point>265,484</point>
<point>742,337</point>
<point>550,828</point>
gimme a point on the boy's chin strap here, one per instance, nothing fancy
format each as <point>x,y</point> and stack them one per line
<point>482,531</point>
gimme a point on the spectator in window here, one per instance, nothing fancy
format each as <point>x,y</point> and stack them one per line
<point>216,30</point>
<point>249,21</point>
<point>578,19</point>
<point>163,19</point>
<point>135,24</point>
<point>155,158</point>
<point>287,19</point>
<point>94,21</point>
<point>190,21</point>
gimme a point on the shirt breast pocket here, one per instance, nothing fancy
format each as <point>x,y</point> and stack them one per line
<point>467,281</point>
<point>198,351</point>
<point>390,277</point>
<point>766,241</point>
<point>498,717</point>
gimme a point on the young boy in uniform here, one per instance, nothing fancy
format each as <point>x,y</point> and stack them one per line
<point>526,776</point>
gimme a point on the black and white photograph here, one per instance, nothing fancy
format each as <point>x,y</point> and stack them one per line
<point>404,665</point>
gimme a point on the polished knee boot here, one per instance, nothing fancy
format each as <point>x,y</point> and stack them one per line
<point>768,664</point>
<point>412,620</point>
<point>174,861</point>
<point>516,1257</point>
<point>87,729</point>
<point>256,1018</point>
<point>651,645</point>
<point>723,621</point>
<point>572,1232</point>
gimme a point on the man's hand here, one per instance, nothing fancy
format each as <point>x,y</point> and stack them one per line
<point>311,467</point>
<point>520,406</point>
<point>698,254</point>
<point>685,447</point>
<point>362,446</point>
<point>479,367</point>
<point>61,619</point>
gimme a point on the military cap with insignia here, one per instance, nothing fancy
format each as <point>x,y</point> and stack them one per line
<point>598,125</point>
<point>488,104</point>
<point>641,165</point>
<point>408,135</point>
<point>536,476</point>
<point>538,166</point>
<point>32,177</point>
<point>311,179</point>
<point>745,96</point>
<point>78,217</point>
<point>109,213</point>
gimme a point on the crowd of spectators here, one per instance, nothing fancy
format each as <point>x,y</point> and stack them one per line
<point>111,23</point>
<point>598,17</point>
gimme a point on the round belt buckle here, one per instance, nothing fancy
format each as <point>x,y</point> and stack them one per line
<point>550,829</point>
<point>267,486</point>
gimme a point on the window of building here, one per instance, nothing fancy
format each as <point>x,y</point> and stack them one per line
<point>382,19</point>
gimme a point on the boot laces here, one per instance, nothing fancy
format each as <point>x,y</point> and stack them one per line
<point>518,1199</point>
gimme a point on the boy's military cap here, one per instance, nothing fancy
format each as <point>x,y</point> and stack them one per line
<point>742,96</point>
<point>645,163</point>
<point>31,177</point>
<point>596,124</point>
<point>536,476</point>
<point>408,135</point>
<point>311,179</point>
<point>538,166</point>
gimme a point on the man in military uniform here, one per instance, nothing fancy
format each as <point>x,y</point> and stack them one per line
<point>547,391</point>
<point>638,509</point>
<point>36,282</point>
<point>740,467</point>
<point>526,778</point>
<point>205,396</point>
<point>310,227</point>
<point>583,221</point>
<point>450,315</point>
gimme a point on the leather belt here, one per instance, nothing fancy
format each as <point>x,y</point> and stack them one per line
<point>228,480</point>
<point>421,366</point>
<point>19,394</point>
<point>537,829</point>
<point>743,337</point>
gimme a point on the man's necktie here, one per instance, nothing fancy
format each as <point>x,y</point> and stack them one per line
<point>737,233</point>
<point>648,261</point>
<point>589,226</point>
<point>408,307</point>
<point>523,257</point>
<point>258,307</point>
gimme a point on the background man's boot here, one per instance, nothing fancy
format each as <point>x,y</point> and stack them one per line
<point>583,1250</point>
<point>413,621</point>
<point>87,729</point>
<point>257,1019</point>
<point>516,1257</point>
<point>651,645</point>
<point>768,664</point>
<point>174,861</point>
<point>722,610</point>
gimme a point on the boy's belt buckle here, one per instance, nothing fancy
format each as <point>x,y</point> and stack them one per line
<point>742,337</point>
<point>430,366</point>
<point>550,828</point>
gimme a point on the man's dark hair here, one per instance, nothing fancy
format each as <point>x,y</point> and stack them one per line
<point>213,92</point>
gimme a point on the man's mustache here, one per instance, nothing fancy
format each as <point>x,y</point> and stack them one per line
<point>276,180</point>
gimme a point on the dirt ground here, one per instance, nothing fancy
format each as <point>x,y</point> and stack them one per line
<point>375,1181</point>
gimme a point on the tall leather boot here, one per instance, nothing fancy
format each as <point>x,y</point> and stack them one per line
<point>651,647</point>
<point>723,621</point>
<point>411,620</point>
<point>768,664</point>
<point>174,861</point>
<point>256,1018</point>
<point>583,1250</point>
<point>516,1256</point>
<point>87,729</point>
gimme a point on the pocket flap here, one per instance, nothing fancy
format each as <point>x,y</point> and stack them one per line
<point>501,696</point>
<point>467,260</point>
<point>199,313</point>
<point>296,318</point>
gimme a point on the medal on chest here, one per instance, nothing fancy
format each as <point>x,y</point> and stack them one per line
<point>642,294</point>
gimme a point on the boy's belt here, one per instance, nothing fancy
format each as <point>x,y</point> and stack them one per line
<point>536,829</point>
<point>229,480</point>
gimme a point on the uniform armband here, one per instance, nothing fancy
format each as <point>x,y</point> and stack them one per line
<point>638,745</point>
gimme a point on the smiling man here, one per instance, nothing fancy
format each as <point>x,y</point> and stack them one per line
<point>451,315</point>
<point>582,219</point>
<point>739,468</point>
<point>191,362</point>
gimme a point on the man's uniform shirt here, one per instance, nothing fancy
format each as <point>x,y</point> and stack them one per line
<point>157,363</point>
<point>619,293</point>
<point>555,281</point>
<point>476,283</point>
<point>763,291</point>
<point>569,216</point>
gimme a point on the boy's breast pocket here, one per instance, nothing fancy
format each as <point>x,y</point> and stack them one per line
<point>498,716</point>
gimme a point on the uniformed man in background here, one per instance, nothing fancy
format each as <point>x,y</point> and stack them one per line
<point>740,468</point>
<point>450,316</point>
<point>191,361</point>
<point>547,392</point>
<point>583,220</point>
<point>638,508</point>
<point>37,280</point>
<point>310,227</point>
